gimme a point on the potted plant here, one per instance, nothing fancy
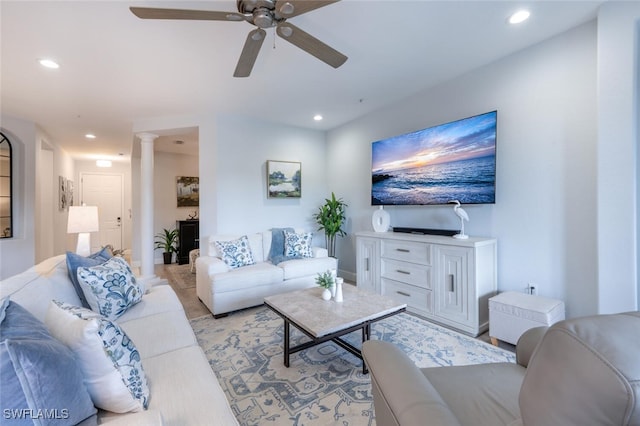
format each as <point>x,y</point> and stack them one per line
<point>331,217</point>
<point>325,280</point>
<point>167,240</point>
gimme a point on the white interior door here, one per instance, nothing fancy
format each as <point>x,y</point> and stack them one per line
<point>105,191</point>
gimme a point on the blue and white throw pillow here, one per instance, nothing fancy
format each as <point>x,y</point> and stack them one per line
<point>110,288</point>
<point>109,361</point>
<point>297,245</point>
<point>236,253</point>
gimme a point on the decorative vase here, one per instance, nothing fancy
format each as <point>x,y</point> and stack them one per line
<point>380,220</point>
<point>332,289</point>
<point>338,296</point>
<point>326,294</point>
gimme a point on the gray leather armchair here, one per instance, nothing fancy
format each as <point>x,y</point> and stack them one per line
<point>584,371</point>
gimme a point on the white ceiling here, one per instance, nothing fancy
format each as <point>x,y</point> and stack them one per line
<point>116,69</point>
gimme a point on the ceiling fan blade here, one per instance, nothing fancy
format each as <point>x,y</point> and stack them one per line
<point>195,15</point>
<point>290,8</point>
<point>250,52</point>
<point>310,44</point>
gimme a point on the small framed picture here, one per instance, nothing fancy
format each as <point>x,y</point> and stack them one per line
<point>188,188</point>
<point>284,179</point>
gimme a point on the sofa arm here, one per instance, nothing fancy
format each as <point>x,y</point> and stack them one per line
<point>319,252</point>
<point>211,265</point>
<point>402,395</point>
<point>527,344</point>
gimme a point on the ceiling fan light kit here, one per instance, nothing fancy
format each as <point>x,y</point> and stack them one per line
<point>262,14</point>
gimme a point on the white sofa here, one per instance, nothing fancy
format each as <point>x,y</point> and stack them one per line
<point>223,289</point>
<point>183,390</point>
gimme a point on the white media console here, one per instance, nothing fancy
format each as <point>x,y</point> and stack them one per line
<point>446,280</point>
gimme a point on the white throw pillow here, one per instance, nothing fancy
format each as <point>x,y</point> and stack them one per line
<point>110,288</point>
<point>297,245</point>
<point>236,253</point>
<point>109,361</point>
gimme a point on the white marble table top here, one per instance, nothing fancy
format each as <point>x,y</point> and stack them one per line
<point>319,317</point>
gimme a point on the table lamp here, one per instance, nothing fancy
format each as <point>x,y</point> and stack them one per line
<point>83,220</point>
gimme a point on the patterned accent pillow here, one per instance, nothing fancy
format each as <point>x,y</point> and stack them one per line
<point>74,261</point>
<point>108,359</point>
<point>110,288</point>
<point>297,245</point>
<point>236,253</point>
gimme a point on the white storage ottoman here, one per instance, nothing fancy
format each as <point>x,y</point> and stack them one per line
<point>512,313</point>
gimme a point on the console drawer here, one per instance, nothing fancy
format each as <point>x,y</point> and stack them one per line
<point>410,273</point>
<point>407,251</point>
<point>418,300</point>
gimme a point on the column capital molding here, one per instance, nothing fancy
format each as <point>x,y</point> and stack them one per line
<point>147,137</point>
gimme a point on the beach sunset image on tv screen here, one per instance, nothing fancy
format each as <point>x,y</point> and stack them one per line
<point>452,161</point>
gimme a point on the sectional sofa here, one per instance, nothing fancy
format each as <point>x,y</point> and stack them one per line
<point>182,389</point>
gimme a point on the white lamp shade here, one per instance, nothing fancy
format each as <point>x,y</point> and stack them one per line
<point>82,219</point>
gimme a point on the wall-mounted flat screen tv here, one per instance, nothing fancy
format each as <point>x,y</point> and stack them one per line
<point>452,161</point>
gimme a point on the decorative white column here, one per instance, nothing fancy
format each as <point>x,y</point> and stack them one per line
<point>147,272</point>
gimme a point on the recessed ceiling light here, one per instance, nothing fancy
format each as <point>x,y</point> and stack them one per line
<point>48,63</point>
<point>317,117</point>
<point>519,16</point>
<point>90,136</point>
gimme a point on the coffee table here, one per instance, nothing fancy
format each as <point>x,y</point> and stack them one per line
<point>323,320</point>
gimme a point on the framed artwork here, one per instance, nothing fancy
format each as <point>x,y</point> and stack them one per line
<point>284,179</point>
<point>62,193</point>
<point>69,192</point>
<point>188,191</point>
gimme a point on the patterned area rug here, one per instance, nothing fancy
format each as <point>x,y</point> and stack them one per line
<point>181,275</point>
<point>324,384</point>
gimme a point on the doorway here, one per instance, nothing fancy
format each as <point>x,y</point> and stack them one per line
<point>104,190</point>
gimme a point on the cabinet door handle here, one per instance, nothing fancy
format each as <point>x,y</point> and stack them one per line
<point>366,263</point>
<point>403,250</point>
<point>400,271</point>
<point>452,283</point>
<point>402,293</point>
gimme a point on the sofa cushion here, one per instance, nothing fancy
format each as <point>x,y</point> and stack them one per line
<point>38,372</point>
<point>75,261</point>
<point>109,361</point>
<point>236,253</point>
<point>160,333</point>
<point>110,288</point>
<point>37,286</point>
<point>305,267</point>
<point>191,391</point>
<point>297,245</point>
<point>247,277</point>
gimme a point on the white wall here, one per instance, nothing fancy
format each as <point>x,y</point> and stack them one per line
<point>544,217</point>
<point>618,75</point>
<point>233,195</point>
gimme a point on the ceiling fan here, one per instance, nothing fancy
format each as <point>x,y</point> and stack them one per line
<point>262,14</point>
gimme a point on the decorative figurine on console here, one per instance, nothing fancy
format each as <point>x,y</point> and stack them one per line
<point>463,216</point>
<point>193,216</point>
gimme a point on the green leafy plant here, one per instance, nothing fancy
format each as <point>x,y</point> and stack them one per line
<point>167,240</point>
<point>325,279</point>
<point>331,217</point>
